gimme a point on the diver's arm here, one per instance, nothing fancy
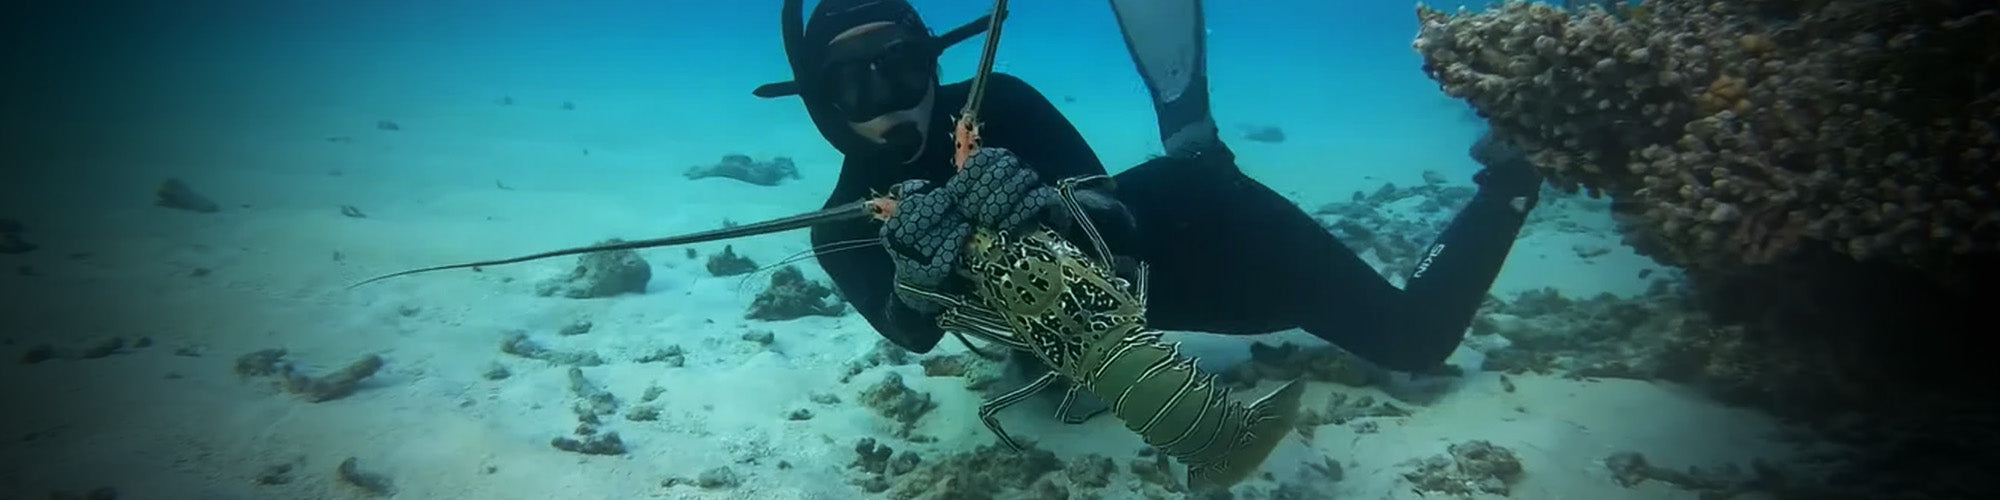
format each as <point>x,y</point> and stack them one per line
<point>1024,121</point>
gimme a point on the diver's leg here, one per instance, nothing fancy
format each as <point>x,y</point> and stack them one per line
<point>1212,275</point>
<point>1229,255</point>
<point>1168,40</point>
<point>1455,273</point>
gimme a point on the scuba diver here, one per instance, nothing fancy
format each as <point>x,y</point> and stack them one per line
<point>1227,254</point>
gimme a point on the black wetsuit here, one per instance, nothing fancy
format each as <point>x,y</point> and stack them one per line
<point>1228,255</point>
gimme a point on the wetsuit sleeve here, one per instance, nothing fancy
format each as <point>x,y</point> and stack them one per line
<point>1021,119</point>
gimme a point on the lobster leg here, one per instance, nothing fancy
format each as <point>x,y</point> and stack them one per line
<point>988,409</point>
<point>1062,410</point>
<point>962,317</point>
<point>1066,192</point>
<point>1145,282</point>
<point>976,351</point>
<point>988,329</point>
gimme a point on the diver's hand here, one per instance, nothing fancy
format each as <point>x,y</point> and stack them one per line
<point>997,191</point>
<point>924,239</point>
<point>1508,175</point>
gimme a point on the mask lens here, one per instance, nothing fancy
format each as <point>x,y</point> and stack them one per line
<point>893,79</point>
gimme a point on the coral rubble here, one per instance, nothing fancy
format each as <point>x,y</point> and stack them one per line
<point>742,168</point>
<point>792,296</point>
<point>1472,467</point>
<point>601,274</point>
<point>292,379</point>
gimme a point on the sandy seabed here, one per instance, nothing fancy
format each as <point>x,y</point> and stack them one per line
<point>174,418</point>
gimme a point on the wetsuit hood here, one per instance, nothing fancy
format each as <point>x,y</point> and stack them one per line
<point>807,51</point>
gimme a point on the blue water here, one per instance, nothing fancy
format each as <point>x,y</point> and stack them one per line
<point>1341,80</point>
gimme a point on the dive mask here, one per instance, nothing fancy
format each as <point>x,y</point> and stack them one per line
<point>879,72</point>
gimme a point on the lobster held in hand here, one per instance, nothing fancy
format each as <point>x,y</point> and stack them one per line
<point>1028,288</point>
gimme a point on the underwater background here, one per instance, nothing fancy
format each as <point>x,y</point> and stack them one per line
<point>190,187</point>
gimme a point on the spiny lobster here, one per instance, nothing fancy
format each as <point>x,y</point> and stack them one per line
<point>1034,291</point>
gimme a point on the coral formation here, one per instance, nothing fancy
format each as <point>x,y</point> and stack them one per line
<point>1631,468</point>
<point>1342,408</point>
<point>338,384</point>
<point>592,403</point>
<point>1381,227</point>
<point>890,398</point>
<point>94,349</point>
<point>1822,171</point>
<point>1282,362</point>
<point>517,343</point>
<point>1739,132</point>
<point>728,263</point>
<point>601,274</point>
<point>372,483</point>
<point>792,296</point>
<point>742,168</point>
<point>988,472</point>
<point>1659,335</point>
<point>1471,467</point>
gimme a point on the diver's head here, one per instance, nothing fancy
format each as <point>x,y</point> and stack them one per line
<point>870,76</point>
<point>867,71</point>
<point>881,77</point>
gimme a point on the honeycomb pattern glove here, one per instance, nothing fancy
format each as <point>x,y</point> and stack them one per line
<point>997,191</point>
<point>924,239</point>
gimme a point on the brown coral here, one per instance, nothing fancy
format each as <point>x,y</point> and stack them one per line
<point>1735,132</point>
<point>1822,169</point>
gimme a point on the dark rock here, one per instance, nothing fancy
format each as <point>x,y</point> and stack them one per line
<point>175,194</point>
<point>742,168</point>
<point>596,444</point>
<point>728,263</point>
<point>890,398</point>
<point>672,355</point>
<point>792,296</point>
<point>496,371</point>
<point>601,274</point>
<point>373,484</point>
<point>336,385</point>
<point>718,478</point>
<point>518,344</point>
<point>1472,467</point>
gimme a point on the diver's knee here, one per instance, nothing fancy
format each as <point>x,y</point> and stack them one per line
<point>1199,140</point>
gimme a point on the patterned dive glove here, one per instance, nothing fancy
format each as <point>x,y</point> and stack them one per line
<point>924,239</point>
<point>932,224</point>
<point>997,191</point>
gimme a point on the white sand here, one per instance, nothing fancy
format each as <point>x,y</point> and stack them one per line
<point>159,425</point>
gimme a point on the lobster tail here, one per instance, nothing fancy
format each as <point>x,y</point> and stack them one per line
<point>1178,409</point>
<point>1267,422</point>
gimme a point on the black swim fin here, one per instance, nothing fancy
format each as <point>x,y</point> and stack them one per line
<point>1168,41</point>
